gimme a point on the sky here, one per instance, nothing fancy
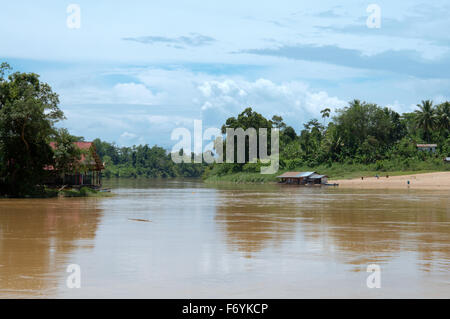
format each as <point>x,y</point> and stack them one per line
<point>130,72</point>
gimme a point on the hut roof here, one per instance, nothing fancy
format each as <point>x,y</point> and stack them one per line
<point>306,174</point>
<point>317,176</point>
<point>295,174</point>
<point>426,145</point>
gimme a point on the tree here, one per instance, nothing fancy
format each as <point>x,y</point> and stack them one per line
<point>398,129</point>
<point>245,120</point>
<point>66,154</point>
<point>332,144</point>
<point>364,125</point>
<point>443,118</point>
<point>314,124</point>
<point>278,122</point>
<point>28,111</point>
<point>289,134</point>
<point>325,113</point>
<point>311,137</point>
<point>426,118</point>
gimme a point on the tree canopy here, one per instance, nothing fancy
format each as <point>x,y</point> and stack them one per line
<point>28,112</point>
<point>360,133</point>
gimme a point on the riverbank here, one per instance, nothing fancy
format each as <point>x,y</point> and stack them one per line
<point>333,174</point>
<point>83,192</point>
<point>53,192</point>
<point>427,181</point>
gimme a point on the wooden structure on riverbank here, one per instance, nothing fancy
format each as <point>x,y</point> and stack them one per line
<point>88,172</point>
<point>303,178</point>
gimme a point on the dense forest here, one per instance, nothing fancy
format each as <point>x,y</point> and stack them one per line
<point>143,160</point>
<point>361,135</point>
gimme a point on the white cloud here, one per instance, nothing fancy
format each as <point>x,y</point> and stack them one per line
<point>400,107</point>
<point>179,96</point>
<point>128,135</point>
<point>161,120</point>
<point>295,101</point>
<point>133,93</point>
<point>82,90</point>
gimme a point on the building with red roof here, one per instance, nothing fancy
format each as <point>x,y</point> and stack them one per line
<point>89,171</point>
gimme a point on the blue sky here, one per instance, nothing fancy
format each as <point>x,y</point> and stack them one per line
<point>135,70</point>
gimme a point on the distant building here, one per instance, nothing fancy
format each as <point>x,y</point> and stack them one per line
<point>447,159</point>
<point>91,174</point>
<point>427,147</point>
<point>303,178</point>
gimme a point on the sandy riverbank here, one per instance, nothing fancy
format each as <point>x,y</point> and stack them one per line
<point>429,181</point>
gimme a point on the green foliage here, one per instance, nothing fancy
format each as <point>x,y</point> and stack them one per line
<point>249,119</point>
<point>426,118</point>
<point>66,154</point>
<point>443,119</point>
<point>28,111</point>
<point>362,137</point>
<point>73,193</point>
<point>82,192</point>
<point>143,161</point>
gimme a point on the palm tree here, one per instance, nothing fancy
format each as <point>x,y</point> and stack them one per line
<point>325,113</point>
<point>443,116</point>
<point>426,118</point>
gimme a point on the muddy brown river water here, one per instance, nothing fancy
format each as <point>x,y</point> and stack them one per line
<point>185,239</point>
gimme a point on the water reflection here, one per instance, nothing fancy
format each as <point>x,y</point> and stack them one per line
<point>365,227</point>
<point>251,223</point>
<point>354,227</point>
<point>36,238</point>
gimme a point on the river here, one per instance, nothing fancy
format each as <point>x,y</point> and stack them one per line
<point>185,239</point>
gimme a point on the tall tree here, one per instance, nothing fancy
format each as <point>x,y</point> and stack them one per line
<point>426,118</point>
<point>363,128</point>
<point>443,118</point>
<point>278,122</point>
<point>325,113</point>
<point>245,120</point>
<point>28,112</point>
